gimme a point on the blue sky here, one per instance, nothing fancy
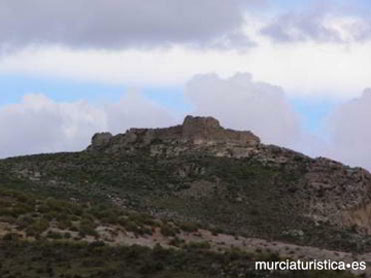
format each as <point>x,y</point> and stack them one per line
<point>296,73</point>
<point>314,112</point>
<point>14,87</point>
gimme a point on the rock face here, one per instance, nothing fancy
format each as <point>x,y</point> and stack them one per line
<point>101,139</point>
<point>209,129</point>
<point>195,130</point>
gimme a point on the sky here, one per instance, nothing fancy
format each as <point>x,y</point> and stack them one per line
<point>296,73</point>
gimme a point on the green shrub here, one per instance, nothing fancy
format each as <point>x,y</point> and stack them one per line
<point>67,235</point>
<point>87,227</point>
<point>54,235</point>
<point>177,242</point>
<point>142,219</point>
<point>11,236</point>
<point>168,230</point>
<point>198,245</point>
<point>189,227</point>
<point>24,221</point>
<point>64,224</point>
<point>37,227</point>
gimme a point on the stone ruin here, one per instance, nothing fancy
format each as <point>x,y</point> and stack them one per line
<point>196,130</point>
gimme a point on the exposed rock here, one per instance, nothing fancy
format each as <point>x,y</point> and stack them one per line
<point>101,139</point>
<point>209,129</point>
<point>195,130</point>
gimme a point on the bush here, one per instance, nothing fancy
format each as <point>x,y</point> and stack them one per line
<point>11,236</point>
<point>36,228</point>
<point>54,235</point>
<point>87,227</point>
<point>198,245</point>
<point>167,230</point>
<point>177,242</point>
<point>64,224</point>
<point>23,222</point>
<point>189,227</point>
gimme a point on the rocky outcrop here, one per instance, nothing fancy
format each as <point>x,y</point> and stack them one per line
<point>194,130</point>
<point>208,129</point>
<point>339,194</point>
<point>332,192</point>
<point>101,139</point>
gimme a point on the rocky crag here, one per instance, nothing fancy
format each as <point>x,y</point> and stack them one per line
<point>195,130</point>
<point>331,191</point>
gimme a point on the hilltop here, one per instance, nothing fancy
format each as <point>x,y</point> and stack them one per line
<point>194,186</point>
<point>328,190</point>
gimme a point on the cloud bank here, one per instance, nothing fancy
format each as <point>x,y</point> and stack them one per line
<point>350,133</point>
<point>121,23</point>
<point>322,22</point>
<point>39,124</point>
<point>241,103</point>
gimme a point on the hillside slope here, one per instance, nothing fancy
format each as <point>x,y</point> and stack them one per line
<point>223,181</point>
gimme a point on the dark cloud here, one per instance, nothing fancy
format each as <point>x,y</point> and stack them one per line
<point>120,23</point>
<point>321,22</point>
<point>300,27</point>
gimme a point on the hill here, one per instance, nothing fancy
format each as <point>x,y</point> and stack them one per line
<point>196,190</point>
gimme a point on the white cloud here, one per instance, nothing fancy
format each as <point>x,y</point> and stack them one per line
<point>135,110</point>
<point>39,124</point>
<point>318,64</point>
<point>241,103</point>
<point>350,133</point>
<point>307,68</point>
